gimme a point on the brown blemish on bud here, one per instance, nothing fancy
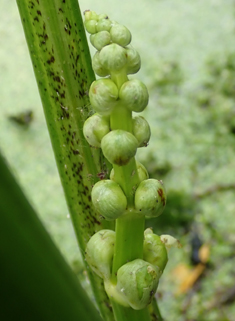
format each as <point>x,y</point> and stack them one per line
<point>161,194</point>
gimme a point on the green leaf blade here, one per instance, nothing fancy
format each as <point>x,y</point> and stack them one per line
<point>61,61</point>
<point>36,283</point>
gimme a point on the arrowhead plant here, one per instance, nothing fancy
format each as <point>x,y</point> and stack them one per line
<point>93,131</point>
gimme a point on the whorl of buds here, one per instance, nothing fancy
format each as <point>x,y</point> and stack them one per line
<point>150,198</point>
<point>119,147</point>
<point>94,23</point>
<point>134,95</point>
<point>154,250</point>
<point>108,199</point>
<point>103,95</point>
<point>99,253</point>
<point>141,130</point>
<point>114,38</point>
<point>137,282</point>
<point>95,128</point>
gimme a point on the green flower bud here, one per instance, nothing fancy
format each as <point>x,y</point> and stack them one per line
<point>100,39</point>
<point>113,57</point>
<point>99,253</point>
<point>154,250</point>
<point>137,281</point>
<point>102,16</point>
<point>141,130</point>
<point>98,67</point>
<point>90,26</point>
<point>90,15</point>
<point>134,95</point>
<point>104,25</point>
<point>142,172</point>
<point>133,61</point>
<point>95,128</point>
<point>119,146</point>
<point>108,199</point>
<point>103,95</point>
<point>150,197</point>
<point>120,35</point>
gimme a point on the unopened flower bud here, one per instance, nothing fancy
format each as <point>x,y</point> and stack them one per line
<point>103,95</point>
<point>98,67</point>
<point>119,147</point>
<point>90,15</point>
<point>137,281</point>
<point>104,25</point>
<point>133,61</point>
<point>154,250</point>
<point>150,197</point>
<point>120,35</point>
<point>113,57</point>
<point>108,199</point>
<point>100,39</point>
<point>90,26</point>
<point>99,253</point>
<point>142,171</point>
<point>102,16</point>
<point>141,130</point>
<point>134,95</point>
<point>95,128</point>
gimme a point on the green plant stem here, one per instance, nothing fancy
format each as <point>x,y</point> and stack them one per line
<point>154,311</point>
<point>129,228</point>
<point>129,239</point>
<point>121,118</point>
<point>119,77</point>
<point>127,181</point>
<point>127,314</point>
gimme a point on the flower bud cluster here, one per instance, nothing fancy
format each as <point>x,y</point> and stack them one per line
<point>137,280</point>
<point>114,59</point>
<point>117,96</point>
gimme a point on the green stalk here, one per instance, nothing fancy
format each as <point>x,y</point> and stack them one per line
<point>129,239</point>
<point>127,314</point>
<point>126,176</point>
<point>154,310</point>
<point>129,228</point>
<point>61,60</point>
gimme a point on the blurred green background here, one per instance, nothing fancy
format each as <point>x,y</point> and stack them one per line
<point>188,64</point>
